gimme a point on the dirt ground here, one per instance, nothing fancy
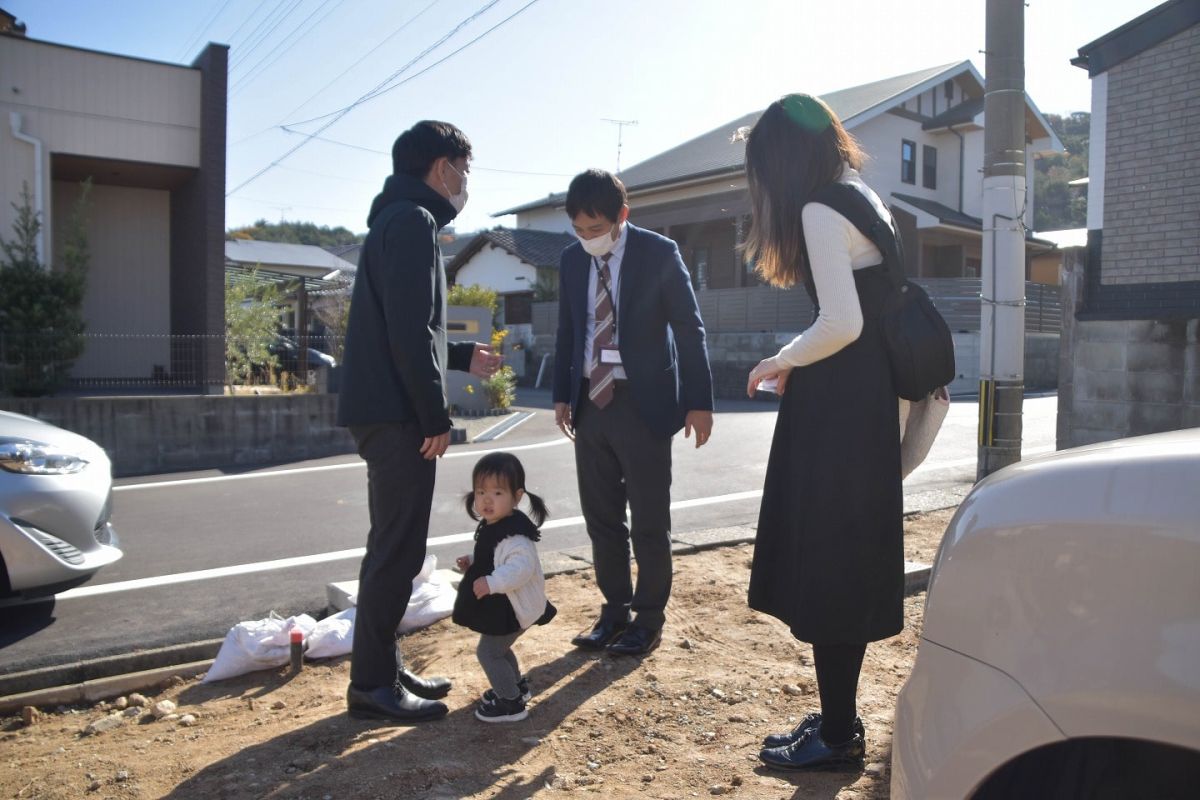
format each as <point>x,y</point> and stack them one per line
<point>686,721</point>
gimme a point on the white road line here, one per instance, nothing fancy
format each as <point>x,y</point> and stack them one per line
<point>338,555</point>
<point>512,425</point>
<point>323,468</point>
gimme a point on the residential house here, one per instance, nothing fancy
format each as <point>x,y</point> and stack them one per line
<point>520,266</point>
<point>309,276</point>
<point>1131,338</point>
<point>923,134</point>
<point>151,138</point>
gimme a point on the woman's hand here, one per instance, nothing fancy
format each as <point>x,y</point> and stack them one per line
<point>462,562</point>
<point>481,588</point>
<point>768,368</point>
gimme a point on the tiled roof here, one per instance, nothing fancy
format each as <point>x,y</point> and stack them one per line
<point>713,153</point>
<point>534,247</point>
<point>250,252</point>
<point>346,252</point>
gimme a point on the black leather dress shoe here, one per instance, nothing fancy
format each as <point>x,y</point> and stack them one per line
<point>600,636</point>
<point>636,641</point>
<point>811,752</point>
<point>387,704</point>
<point>810,722</point>
<point>428,688</point>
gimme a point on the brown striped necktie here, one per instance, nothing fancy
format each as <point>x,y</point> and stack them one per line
<point>601,376</point>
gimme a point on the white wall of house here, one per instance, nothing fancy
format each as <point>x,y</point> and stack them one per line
<point>1097,152</point>
<point>128,285</point>
<point>85,103</point>
<point>499,270</point>
<point>548,218</point>
<point>973,173</point>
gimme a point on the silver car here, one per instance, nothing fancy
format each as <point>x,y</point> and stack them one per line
<point>1060,654</point>
<point>55,502</point>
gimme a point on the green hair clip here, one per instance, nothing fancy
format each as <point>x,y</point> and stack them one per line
<point>807,112</point>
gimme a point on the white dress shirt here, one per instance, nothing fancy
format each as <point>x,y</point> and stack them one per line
<point>614,274</point>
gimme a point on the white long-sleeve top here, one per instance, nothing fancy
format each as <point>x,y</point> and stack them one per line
<point>518,575</point>
<point>835,249</point>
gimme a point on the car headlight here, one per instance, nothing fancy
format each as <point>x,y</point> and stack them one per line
<point>36,458</point>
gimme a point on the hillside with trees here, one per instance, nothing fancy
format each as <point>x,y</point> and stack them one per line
<point>296,233</point>
<point>1057,205</point>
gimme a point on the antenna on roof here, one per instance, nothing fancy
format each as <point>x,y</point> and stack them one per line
<point>620,123</point>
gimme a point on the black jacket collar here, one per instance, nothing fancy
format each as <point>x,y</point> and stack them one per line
<point>406,187</point>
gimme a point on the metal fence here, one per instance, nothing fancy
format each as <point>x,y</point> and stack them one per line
<point>44,363</point>
<point>766,309</point>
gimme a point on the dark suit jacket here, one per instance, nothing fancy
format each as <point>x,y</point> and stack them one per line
<point>396,357</point>
<point>660,333</point>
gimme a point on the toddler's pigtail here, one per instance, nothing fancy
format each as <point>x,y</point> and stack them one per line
<point>537,508</point>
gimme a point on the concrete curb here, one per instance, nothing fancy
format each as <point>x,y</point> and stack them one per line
<point>103,678</point>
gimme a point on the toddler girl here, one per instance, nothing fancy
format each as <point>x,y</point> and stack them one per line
<point>502,591</point>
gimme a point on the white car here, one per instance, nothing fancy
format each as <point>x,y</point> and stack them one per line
<point>1060,654</point>
<point>55,503</point>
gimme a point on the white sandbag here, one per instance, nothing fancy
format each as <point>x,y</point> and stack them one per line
<point>333,636</point>
<point>257,644</point>
<point>431,599</point>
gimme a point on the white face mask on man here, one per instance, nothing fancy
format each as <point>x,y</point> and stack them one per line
<point>459,201</point>
<point>598,246</point>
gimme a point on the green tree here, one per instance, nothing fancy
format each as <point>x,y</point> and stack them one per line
<point>1057,204</point>
<point>41,317</point>
<point>296,233</point>
<point>251,324</point>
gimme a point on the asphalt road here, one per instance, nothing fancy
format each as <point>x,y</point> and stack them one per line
<point>198,546</point>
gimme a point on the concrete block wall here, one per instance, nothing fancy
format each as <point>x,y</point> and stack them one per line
<point>145,435</point>
<point>1128,378</point>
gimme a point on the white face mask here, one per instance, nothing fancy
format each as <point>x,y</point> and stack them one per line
<point>459,201</point>
<point>599,245</point>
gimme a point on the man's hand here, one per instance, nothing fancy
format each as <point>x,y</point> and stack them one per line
<point>562,418</point>
<point>480,587</point>
<point>484,361</point>
<point>434,446</point>
<point>701,422</point>
<point>767,368</point>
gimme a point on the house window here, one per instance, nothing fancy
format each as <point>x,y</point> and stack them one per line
<point>908,161</point>
<point>949,86</point>
<point>518,308</point>
<point>929,167</point>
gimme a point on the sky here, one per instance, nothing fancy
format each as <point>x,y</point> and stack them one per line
<point>536,82</point>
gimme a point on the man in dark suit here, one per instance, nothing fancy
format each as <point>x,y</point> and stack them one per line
<point>393,400</point>
<point>630,370</point>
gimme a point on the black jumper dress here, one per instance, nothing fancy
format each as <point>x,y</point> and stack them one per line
<point>828,555</point>
<point>493,614</point>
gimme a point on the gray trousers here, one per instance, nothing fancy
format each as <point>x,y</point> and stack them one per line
<point>619,460</point>
<point>499,663</point>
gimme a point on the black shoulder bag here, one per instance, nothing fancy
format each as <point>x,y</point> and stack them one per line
<point>916,337</point>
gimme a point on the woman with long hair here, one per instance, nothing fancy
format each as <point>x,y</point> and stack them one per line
<point>828,558</point>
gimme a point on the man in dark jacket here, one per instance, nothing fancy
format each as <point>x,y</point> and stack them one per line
<point>393,399</point>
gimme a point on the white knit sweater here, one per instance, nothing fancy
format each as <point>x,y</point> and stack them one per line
<point>835,249</point>
<point>518,575</point>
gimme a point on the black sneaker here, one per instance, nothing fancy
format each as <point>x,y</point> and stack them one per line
<point>501,710</point>
<point>522,685</point>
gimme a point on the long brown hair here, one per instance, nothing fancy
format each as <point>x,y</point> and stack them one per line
<point>795,148</point>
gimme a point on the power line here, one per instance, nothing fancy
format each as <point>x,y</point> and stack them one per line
<point>339,76</point>
<point>379,87</point>
<point>291,40</point>
<point>198,35</point>
<point>267,26</point>
<point>250,16</point>
<point>374,92</point>
<point>474,166</point>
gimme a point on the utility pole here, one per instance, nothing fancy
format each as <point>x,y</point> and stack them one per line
<point>1002,310</point>
<point>620,123</point>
